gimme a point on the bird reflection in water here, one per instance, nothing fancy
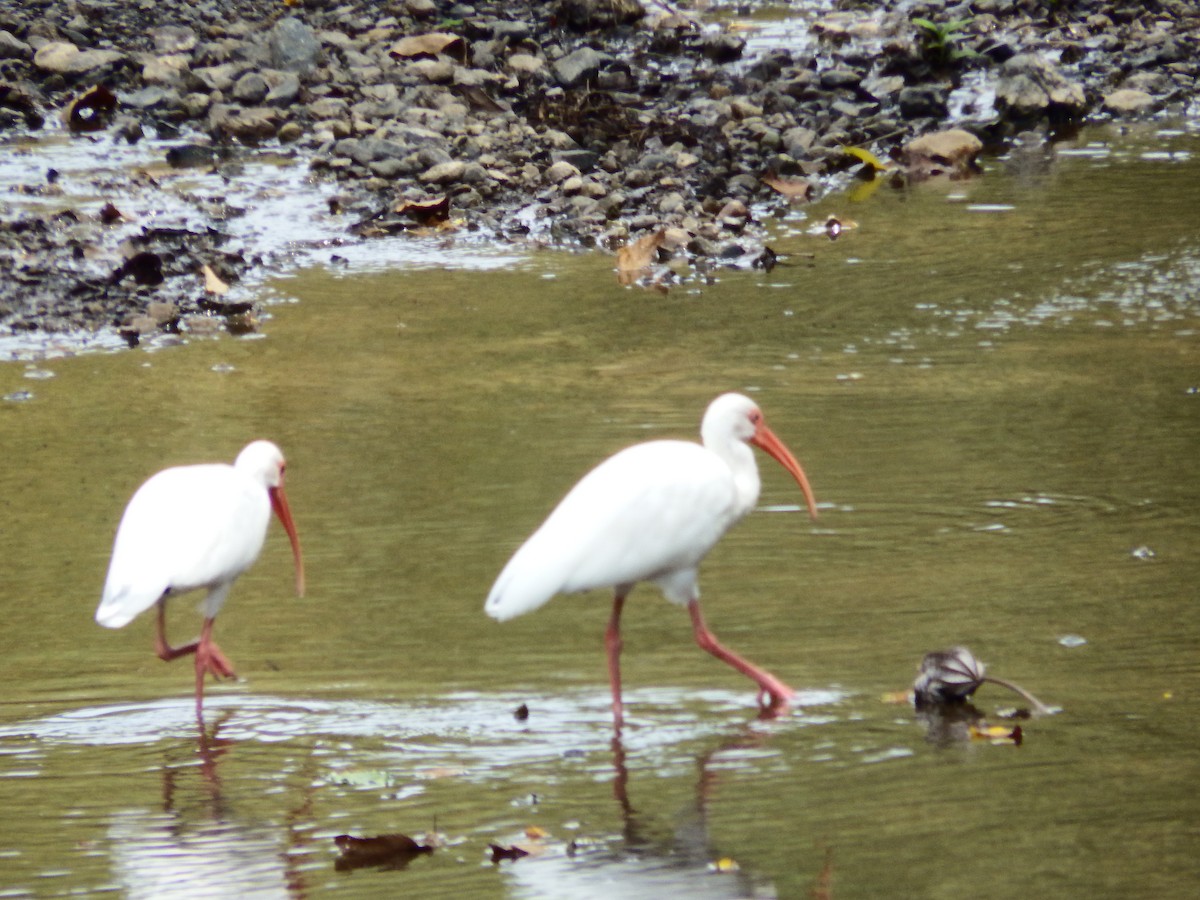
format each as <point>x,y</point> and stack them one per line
<point>651,860</point>
<point>197,845</point>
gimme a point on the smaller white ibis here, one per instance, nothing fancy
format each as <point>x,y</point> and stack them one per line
<point>192,527</point>
<point>651,513</point>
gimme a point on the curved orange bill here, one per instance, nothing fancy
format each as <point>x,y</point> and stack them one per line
<point>765,440</point>
<point>280,505</point>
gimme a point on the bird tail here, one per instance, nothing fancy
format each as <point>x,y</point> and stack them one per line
<point>515,594</point>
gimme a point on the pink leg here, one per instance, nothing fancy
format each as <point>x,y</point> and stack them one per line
<point>768,685</point>
<point>209,658</point>
<point>612,643</point>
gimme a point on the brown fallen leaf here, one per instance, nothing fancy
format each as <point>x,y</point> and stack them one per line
<point>425,212</point>
<point>521,713</point>
<point>794,189</point>
<point>395,851</point>
<point>430,46</point>
<point>212,282</point>
<point>501,853</point>
<point>634,260</point>
<point>91,110</point>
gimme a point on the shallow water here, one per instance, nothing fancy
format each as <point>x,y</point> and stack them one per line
<point>993,386</point>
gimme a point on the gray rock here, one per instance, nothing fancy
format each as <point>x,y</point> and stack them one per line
<point>251,89</point>
<point>444,173</point>
<point>1031,87</point>
<point>62,58</point>
<point>152,97</point>
<point>12,48</point>
<point>577,67</point>
<point>252,124</point>
<point>165,69</point>
<point>293,46</point>
<point>171,39</point>
<point>215,78</point>
<point>840,79</point>
<point>284,88</point>
<point>1129,102</point>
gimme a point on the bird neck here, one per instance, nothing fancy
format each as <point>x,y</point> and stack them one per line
<point>740,459</point>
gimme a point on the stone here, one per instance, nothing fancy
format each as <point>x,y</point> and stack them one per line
<point>525,64</point>
<point>12,48</point>
<point>255,123</point>
<point>559,172</point>
<point>284,87</point>
<point>62,58</point>
<point>165,69</point>
<point>577,67</point>
<point>444,173</point>
<point>1031,87</point>
<point>293,46</point>
<point>953,149</point>
<point>1129,102</point>
<point>251,89</point>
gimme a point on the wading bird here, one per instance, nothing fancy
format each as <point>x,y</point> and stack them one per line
<point>650,513</point>
<point>191,527</point>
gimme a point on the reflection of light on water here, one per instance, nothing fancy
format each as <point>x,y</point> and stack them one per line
<point>154,856</point>
<point>469,724</point>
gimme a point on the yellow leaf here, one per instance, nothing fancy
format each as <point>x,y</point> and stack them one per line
<point>865,156</point>
<point>724,864</point>
<point>534,833</point>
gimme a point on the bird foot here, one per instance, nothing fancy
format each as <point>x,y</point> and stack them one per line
<point>773,700</point>
<point>212,661</point>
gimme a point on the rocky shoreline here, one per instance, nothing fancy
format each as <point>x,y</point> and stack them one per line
<point>645,129</point>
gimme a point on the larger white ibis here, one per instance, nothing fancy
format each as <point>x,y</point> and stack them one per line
<point>191,527</point>
<point>651,513</point>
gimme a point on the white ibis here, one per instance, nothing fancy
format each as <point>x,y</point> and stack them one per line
<point>191,527</point>
<point>651,513</point>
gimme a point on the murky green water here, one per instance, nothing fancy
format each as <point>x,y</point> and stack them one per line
<point>995,389</point>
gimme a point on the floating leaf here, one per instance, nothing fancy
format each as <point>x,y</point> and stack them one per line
<point>997,734</point>
<point>634,260</point>
<point>521,713</point>
<point>394,851</point>
<point>866,156</point>
<point>723,865</point>
<point>534,833</point>
<point>794,189</point>
<point>501,853</point>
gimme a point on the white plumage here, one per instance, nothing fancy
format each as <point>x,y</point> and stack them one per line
<point>650,513</point>
<point>192,527</point>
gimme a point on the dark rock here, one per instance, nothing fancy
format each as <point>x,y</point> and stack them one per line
<point>293,46</point>
<point>251,89</point>
<point>924,101</point>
